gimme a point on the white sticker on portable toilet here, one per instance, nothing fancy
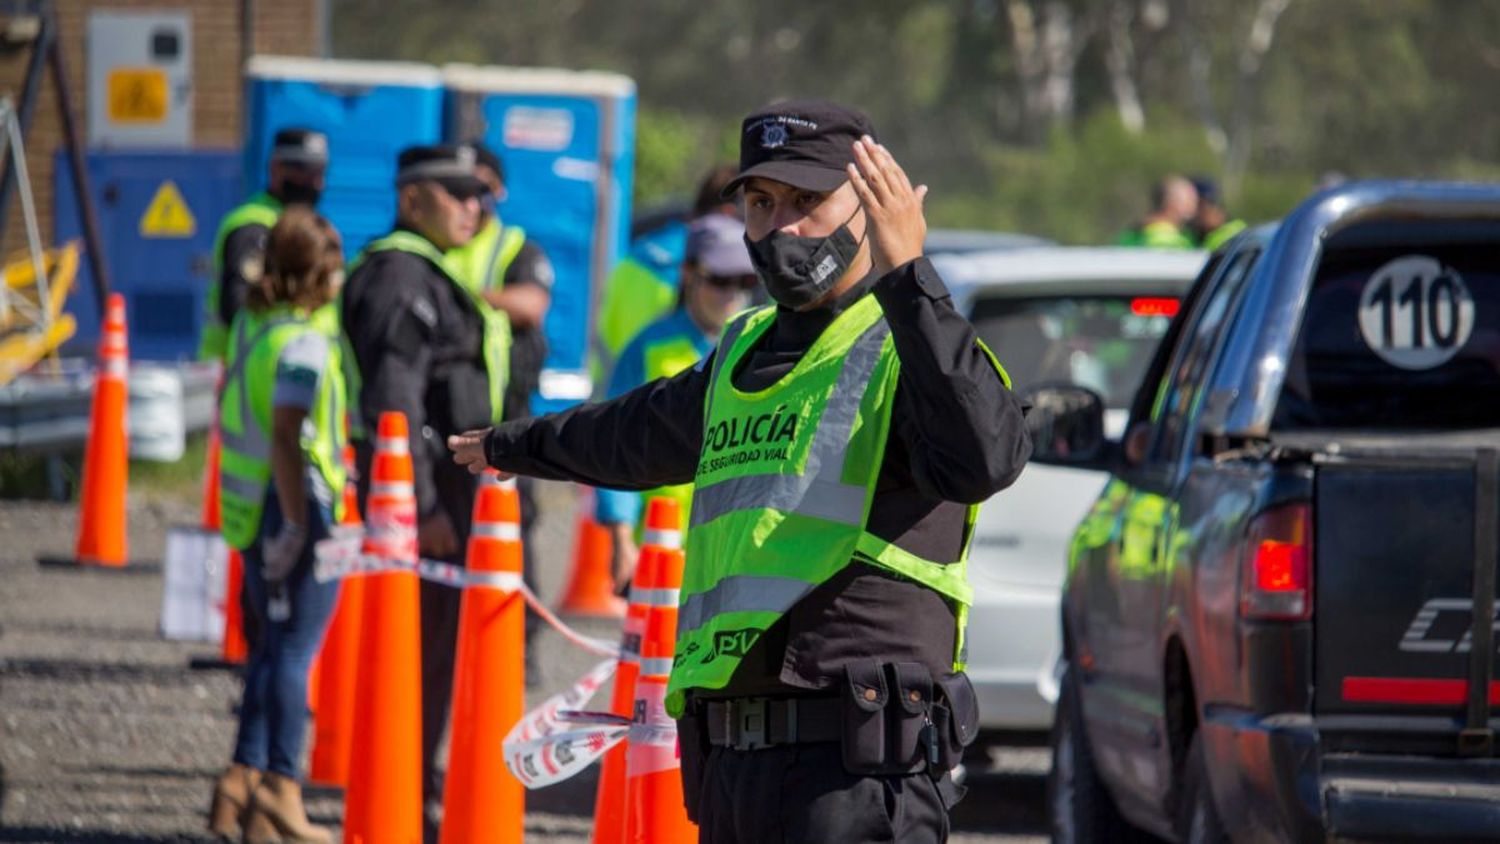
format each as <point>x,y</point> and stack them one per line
<point>1415,313</point>
<point>541,129</point>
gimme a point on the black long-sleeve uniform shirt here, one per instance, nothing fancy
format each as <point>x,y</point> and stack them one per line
<point>957,437</point>
<point>418,343</point>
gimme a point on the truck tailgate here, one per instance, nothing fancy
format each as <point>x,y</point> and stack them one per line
<point>1396,634</point>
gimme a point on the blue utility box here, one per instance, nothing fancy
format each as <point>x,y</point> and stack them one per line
<point>567,142</point>
<point>158,213</point>
<point>370,112</point>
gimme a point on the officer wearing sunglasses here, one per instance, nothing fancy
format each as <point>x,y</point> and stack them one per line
<point>717,282</point>
<point>424,345</point>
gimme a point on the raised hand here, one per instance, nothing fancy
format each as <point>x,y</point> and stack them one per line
<point>893,208</point>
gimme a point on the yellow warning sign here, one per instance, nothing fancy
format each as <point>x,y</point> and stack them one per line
<point>168,214</point>
<point>137,95</point>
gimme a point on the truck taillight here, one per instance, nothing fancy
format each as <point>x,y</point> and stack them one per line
<point>1276,577</point>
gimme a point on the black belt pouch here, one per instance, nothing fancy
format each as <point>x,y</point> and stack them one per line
<point>956,719</point>
<point>864,738</point>
<point>911,707</point>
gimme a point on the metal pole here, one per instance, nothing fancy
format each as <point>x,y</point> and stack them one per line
<point>27,107</point>
<point>82,190</point>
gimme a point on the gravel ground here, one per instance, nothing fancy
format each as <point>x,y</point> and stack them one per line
<point>109,736</point>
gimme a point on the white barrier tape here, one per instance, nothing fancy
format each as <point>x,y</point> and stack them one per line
<point>340,556</point>
<point>656,666</point>
<point>503,531</point>
<point>546,747</point>
<point>656,597</point>
<point>669,539</point>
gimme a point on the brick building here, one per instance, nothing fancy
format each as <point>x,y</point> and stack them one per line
<point>220,47</point>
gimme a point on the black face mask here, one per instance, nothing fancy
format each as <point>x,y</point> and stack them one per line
<point>296,193</point>
<point>798,271</point>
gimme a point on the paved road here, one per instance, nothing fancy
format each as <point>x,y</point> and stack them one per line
<point>106,734</point>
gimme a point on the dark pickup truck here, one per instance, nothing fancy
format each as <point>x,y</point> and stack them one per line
<point>1279,618</point>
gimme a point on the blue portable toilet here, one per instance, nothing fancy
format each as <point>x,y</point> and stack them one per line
<point>567,141</point>
<point>370,112</point>
<point>158,213</point>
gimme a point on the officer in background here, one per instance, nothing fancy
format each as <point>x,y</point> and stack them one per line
<point>1174,202</point>
<point>839,444</point>
<point>643,286</point>
<point>1211,226</point>
<point>298,168</point>
<point>426,346</point>
<point>718,281</point>
<point>513,274</point>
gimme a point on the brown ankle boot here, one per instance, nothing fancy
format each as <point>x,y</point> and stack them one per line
<point>226,814</point>
<point>277,816</point>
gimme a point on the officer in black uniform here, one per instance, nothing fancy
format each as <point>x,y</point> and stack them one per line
<point>781,752</point>
<point>296,174</point>
<point>416,337</point>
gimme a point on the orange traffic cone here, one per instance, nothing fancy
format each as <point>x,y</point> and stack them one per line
<point>482,801</point>
<point>591,587</point>
<point>662,533</point>
<point>234,649</point>
<point>653,779</point>
<point>384,798</point>
<point>333,735</point>
<point>101,516</point>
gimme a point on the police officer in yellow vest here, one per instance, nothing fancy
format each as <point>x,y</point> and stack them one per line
<point>839,444</point>
<point>281,473</point>
<point>299,164</point>
<point>717,281</point>
<point>426,345</point>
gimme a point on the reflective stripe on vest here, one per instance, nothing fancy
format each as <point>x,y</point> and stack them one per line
<point>245,416</point>
<point>783,492</point>
<point>260,210</point>
<point>481,263</point>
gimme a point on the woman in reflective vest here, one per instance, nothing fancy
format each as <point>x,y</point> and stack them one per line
<point>717,282</point>
<point>281,479</point>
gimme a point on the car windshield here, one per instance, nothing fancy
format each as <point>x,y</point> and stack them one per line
<point>1398,338</point>
<point>1103,343</point>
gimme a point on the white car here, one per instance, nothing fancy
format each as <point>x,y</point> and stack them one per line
<point>1089,316</point>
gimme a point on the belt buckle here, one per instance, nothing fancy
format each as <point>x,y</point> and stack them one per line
<point>748,730</point>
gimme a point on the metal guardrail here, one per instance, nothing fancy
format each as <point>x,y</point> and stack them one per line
<point>48,412</point>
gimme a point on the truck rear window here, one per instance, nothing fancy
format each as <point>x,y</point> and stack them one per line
<point>1398,339</point>
<point>1100,342</point>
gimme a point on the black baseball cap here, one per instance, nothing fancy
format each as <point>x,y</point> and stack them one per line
<point>805,143</point>
<point>300,146</point>
<point>450,165</point>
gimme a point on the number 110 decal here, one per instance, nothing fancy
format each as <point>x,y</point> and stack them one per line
<point>1416,313</point>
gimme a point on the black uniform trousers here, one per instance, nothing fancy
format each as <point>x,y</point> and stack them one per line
<point>801,793</point>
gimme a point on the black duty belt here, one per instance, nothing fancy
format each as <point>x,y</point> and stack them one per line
<point>756,722</point>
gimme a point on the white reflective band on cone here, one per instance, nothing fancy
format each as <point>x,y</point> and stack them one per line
<point>656,666</point>
<point>507,580</point>
<point>671,539</point>
<point>655,597</point>
<point>504,531</point>
<point>392,489</point>
<point>392,445</point>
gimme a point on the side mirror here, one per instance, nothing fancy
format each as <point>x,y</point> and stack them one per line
<point>1066,424</point>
